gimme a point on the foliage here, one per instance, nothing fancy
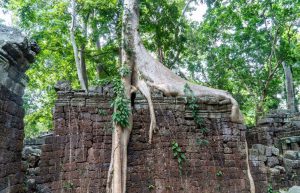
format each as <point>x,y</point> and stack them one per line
<point>121,105</point>
<point>192,103</point>
<point>68,185</point>
<point>219,173</point>
<point>270,189</point>
<point>178,154</point>
<point>151,187</point>
<point>243,44</point>
<point>239,47</point>
<point>48,22</point>
<point>163,29</point>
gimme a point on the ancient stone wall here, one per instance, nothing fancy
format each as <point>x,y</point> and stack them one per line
<point>275,154</point>
<point>15,55</point>
<point>76,158</point>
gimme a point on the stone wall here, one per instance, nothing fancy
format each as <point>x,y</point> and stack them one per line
<point>15,55</point>
<point>76,158</point>
<point>275,153</point>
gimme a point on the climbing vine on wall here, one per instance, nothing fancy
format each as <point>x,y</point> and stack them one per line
<point>178,154</point>
<point>192,104</point>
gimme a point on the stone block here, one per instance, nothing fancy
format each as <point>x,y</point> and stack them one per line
<point>292,155</point>
<point>261,148</point>
<point>272,161</point>
<point>275,151</point>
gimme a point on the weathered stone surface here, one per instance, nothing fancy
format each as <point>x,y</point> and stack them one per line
<point>261,148</point>
<point>279,132</point>
<point>16,52</point>
<point>294,189</point>
<point>76,158</point>
<point>275,151</point>
<point>272,161</point>
<point>293,155</point>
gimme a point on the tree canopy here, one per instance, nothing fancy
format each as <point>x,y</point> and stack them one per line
<point>241,46</point>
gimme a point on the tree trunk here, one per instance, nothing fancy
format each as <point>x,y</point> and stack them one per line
<point>145,73</point>
<point>79,57</point>
<point>290,95</point>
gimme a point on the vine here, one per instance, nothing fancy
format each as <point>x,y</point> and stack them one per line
<point>178,154</point>
<point>68,186</point>
<point>121,104</point>
<point>270,189</point>
<point>192,104</point>
<point>124,71</point>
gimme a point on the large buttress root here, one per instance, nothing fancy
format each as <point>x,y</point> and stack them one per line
<point>163,79</point>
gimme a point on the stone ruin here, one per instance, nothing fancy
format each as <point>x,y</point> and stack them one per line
<point>75,158</point>
<point>275,150</point>
<point>16,52</point>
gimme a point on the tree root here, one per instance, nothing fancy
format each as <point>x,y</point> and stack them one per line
<point>145,71</point>
<point>158,76</point>
<point>145,90</point>
<point>251,181</point>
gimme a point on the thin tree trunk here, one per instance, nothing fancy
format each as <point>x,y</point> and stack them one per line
<point>79,57</point>
<point>99,67</point>
<point>291,101</point>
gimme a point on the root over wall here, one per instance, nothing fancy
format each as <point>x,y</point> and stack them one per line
<point>76,158</point>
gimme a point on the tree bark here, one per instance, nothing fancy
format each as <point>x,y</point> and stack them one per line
<point>79,56</point>
<point>146,73</point>
<point>290,94</point>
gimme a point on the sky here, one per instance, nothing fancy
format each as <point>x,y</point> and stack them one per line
<point>196,15</point>
<point>6,17</point>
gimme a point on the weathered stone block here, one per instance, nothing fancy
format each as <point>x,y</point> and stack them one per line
<point>272,161</point>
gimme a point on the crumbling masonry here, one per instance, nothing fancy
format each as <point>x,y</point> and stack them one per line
<point>15,55</point>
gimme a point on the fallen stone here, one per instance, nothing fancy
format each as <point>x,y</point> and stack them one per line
<point>268,151</point>
<point>274,171</point>
<point>29,151</point>
<point>275,151</point>
<point>280,168</point>
<point>293,155</point>
<point>272,161</point>
<point>294,189</point>
<point>291,164</point>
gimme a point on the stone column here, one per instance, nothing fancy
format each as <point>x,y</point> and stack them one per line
<point>16,52</point>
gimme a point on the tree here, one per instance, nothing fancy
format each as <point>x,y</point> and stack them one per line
<point>140,71</point>
<point>291,101</point>
<point>79,54</point>
<point>48,23</point>
<point>245,44</point>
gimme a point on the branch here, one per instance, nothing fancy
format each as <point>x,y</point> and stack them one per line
<point>78,59</point>
<point>180,31</point>
<point>185,8</point>
<point>72,32</point>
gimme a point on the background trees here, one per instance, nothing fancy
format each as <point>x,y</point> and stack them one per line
<point>246,47</point>
<point>249,48</point>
